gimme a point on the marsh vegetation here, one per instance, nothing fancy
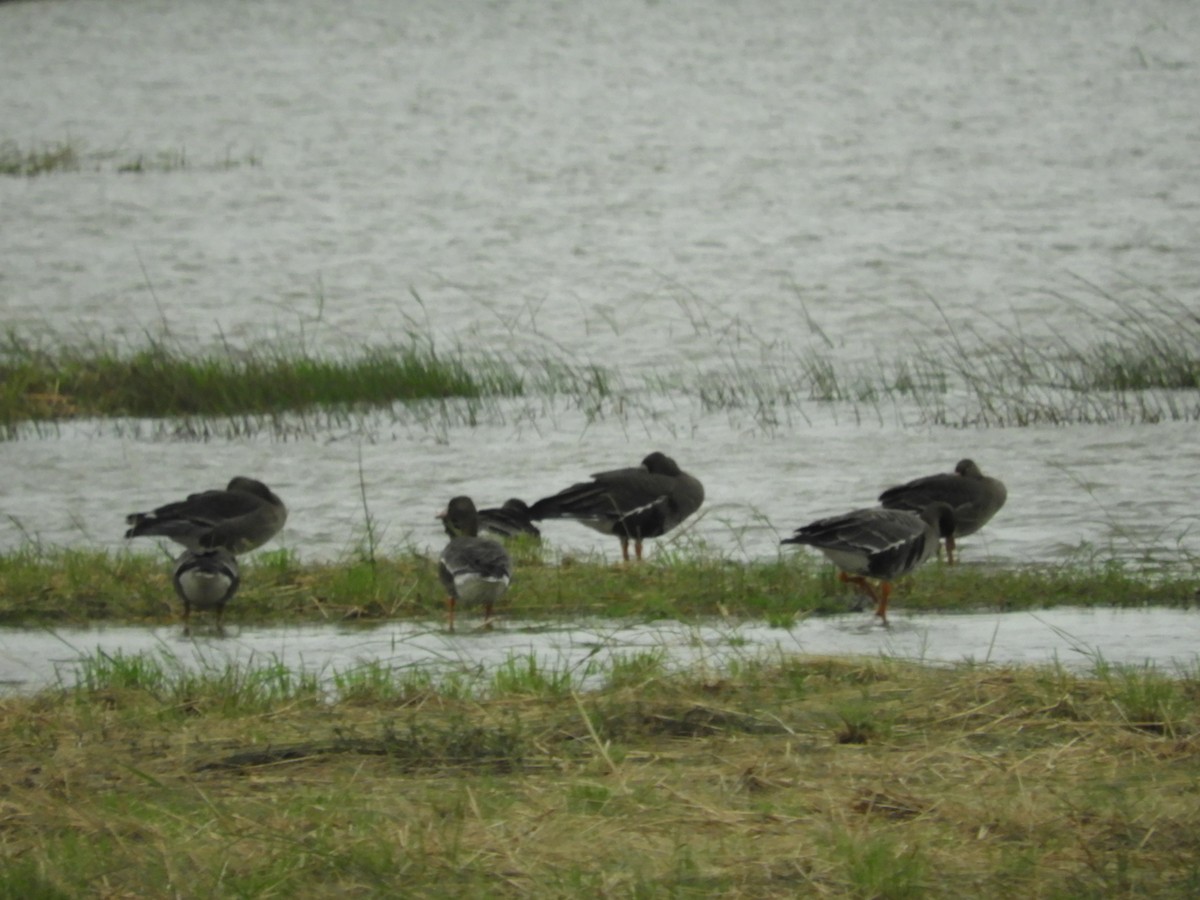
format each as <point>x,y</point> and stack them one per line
<point>1132,364</point>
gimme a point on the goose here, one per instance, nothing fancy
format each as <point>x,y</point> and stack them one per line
<point>633,504</point>
<point>473,570</point>
<point>510,520</point>
<point>973,496</point>
<point>878,543</point>
<point>240,518</point>
<point>205,580</point>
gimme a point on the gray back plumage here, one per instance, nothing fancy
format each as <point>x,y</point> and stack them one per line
<point>638,502</point>
<point>471,568</point>
<point>876,542</point>
<point>473,556</point>
<point>974,497</point>
<point>243,516</point>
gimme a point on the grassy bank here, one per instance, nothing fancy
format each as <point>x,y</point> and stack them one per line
<point>792,776</point>
<point>78,586</point>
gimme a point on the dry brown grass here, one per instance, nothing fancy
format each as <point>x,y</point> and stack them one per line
<point>809,777</point>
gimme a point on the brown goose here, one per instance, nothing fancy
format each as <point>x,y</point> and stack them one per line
<point>473,570</point>
<point>878,543</point>
<point>205,580</point>
<point>973,496</point>
<point>632,504</point>
<point>240,518</point>
<point>510,520</point>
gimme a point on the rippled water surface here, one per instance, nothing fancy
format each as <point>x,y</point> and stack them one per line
<point>595,174</point>
<point>662,186</point>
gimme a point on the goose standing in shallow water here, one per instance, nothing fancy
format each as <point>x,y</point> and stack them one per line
<point>632,504</point>
<point>973,496</point>
<point>473,570</point>
<point>205,580</point>
<point>240,518</point>
<point>879,543</point>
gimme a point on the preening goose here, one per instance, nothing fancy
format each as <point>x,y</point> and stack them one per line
<point>633,504</point>
<point>883,544</point>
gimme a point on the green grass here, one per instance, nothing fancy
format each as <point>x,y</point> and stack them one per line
<point>46,586</point>
<point>986,781</point>
<point>102,380</point>
<point>224,688</point>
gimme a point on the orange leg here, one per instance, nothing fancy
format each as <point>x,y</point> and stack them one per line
<point>880,600</point>
<point>487,617</point>
<point>861,583</point>
<point>637,546</point>
<point>950,547</point>
<point>450,604</point>
<point>625,549</point>
<point>885,590</point>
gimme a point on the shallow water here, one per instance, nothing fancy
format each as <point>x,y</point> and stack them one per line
<point>1118,492</point>
<point>653,186</point>
<point>1075,638</point>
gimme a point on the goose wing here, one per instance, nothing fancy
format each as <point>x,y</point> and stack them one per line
<point>865,540</point>
<point>510,520</point>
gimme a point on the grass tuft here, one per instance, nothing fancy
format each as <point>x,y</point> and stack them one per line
<point>70,156</point>
<point>62,156</point>
<point>101,380</point>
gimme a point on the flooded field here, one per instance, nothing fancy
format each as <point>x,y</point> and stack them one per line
<point>1076,639</point>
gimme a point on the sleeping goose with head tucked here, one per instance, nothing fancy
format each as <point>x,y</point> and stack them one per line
<point>242,517</point>
<point>973,496</point>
